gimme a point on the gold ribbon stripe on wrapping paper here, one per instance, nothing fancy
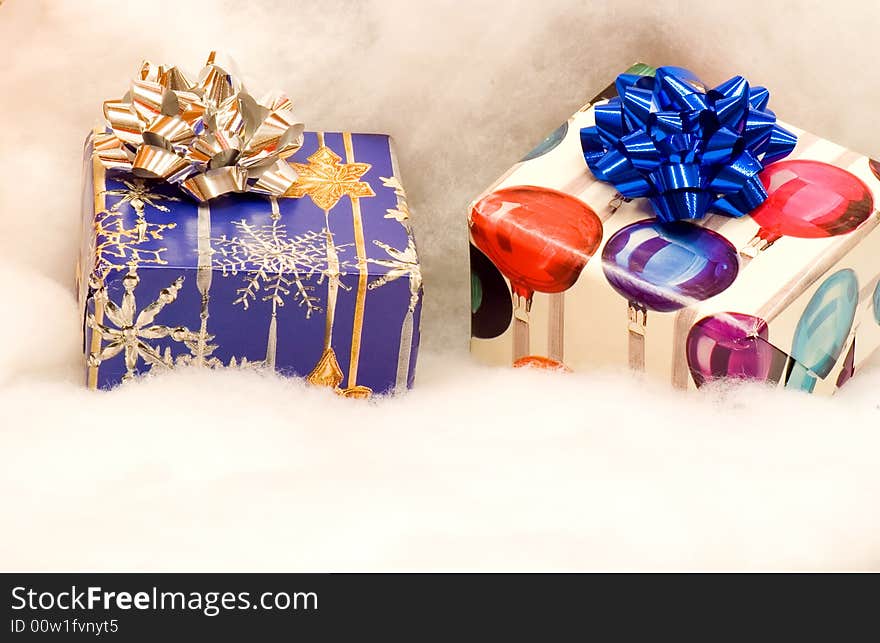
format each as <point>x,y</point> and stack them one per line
<point>325,179</point>
<point>326,371</point>
<point>99,206</point>
<point>332,283</point>
<point>360,302</point>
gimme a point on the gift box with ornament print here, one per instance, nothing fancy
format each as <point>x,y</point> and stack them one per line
<point>568,273</point>
<point>322,282</point>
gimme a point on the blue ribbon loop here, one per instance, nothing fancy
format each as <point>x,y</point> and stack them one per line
<point>686,149</point>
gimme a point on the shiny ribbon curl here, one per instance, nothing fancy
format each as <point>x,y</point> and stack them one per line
<point>687,149</point>
<point>210,137</point>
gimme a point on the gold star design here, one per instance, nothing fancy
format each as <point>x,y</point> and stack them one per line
<point>326,179</point>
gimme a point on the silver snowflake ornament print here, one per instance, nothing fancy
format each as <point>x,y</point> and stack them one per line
<point>277,264</point>
<point>139,195</point>
<point>401,263</point>
<point>129,331</point>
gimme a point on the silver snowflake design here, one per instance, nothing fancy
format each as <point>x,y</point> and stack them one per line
<point>198,356</point>
<point>130,331</point>
<point>401,212</point>
<point>119,246</point>
<point>278,265</point>
<point>401,263</point>
<point>139,195</point>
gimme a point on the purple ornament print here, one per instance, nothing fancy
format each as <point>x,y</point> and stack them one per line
<point>732,345</point>
<point>665,267</point>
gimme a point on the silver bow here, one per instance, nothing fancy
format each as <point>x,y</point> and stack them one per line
<point>210,137</point>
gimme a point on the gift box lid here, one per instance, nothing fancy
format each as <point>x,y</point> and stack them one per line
<point>252,232</point>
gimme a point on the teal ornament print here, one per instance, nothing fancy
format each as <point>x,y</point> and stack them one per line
<point>823,329</point>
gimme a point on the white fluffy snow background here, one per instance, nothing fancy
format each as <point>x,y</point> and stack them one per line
<point>476,468</point>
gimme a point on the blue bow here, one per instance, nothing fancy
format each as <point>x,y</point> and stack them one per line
<point>687,149</point>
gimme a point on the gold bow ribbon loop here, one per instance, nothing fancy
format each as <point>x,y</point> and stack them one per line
<point>210,137</point>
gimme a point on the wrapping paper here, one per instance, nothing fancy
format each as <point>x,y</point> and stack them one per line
<point>322,283</point>
<point>785,294</point>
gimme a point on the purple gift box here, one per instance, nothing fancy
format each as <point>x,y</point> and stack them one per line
<point>322,283</point>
